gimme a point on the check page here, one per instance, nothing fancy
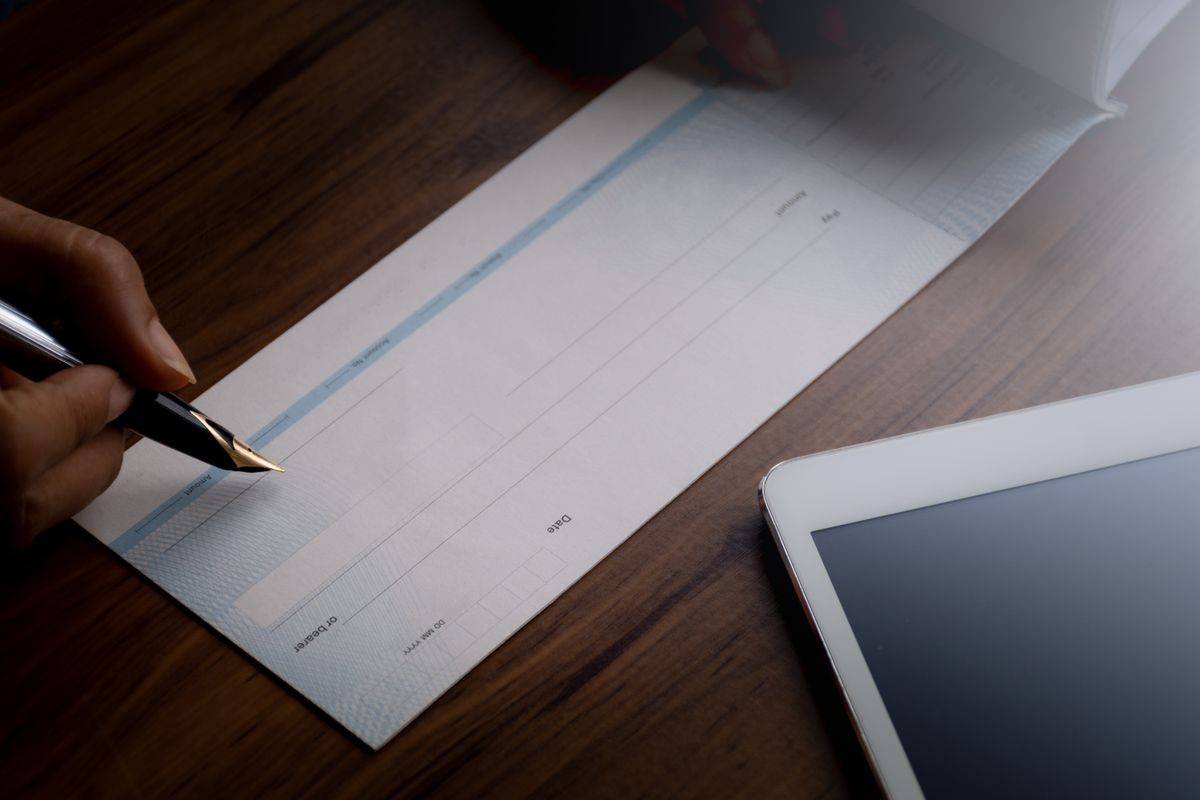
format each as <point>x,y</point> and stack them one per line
<point>480,418</point>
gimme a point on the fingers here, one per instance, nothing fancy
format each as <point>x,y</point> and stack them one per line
<point>67,487</point>
<point>98,287</point>
<point>733,27</point>
<point>756,37</point>
<point>57,451</point>
<point>42,423</point>
<point>10,379</point>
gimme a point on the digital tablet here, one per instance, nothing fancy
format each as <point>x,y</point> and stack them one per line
<point>1012,605</point>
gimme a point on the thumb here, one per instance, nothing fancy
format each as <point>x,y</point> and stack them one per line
<point>97,285</point>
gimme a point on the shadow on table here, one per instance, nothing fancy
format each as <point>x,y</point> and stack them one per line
<point>588,38</point>
<point>607,39</point>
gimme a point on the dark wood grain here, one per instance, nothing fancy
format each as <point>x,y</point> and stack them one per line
<point>260,155</point>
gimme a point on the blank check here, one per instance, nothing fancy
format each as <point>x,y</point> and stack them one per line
<point>475,422</point>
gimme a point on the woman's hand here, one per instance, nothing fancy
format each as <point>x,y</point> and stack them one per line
<point>751,34</point>
<point>58,450</point>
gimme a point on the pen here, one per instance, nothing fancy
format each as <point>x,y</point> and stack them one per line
<point>33,351</point>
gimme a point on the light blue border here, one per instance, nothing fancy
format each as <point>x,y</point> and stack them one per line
<point>440,302</point>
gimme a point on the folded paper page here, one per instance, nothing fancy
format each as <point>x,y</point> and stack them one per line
<point>1085,46</point>
<point>476,421</point>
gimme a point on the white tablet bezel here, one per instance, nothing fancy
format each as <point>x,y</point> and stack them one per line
<point>889,476</point>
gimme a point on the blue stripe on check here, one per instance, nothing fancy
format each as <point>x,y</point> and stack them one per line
<point>364,360</point>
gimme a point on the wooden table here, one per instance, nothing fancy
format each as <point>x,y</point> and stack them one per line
<point>262,154</point>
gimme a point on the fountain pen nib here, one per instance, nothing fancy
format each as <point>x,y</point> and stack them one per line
<point>250,460</point>
<point>243,457</point>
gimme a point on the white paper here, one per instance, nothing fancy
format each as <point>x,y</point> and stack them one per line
<point>1135,24</point>
<point>476,421</point>
<point>1063,40</point>
<point>1086,46</point>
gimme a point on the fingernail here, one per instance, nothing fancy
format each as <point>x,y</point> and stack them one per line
<point>119,398</point>
<point>169,352</point>
<point>835,29</point>
<point>764,57</point>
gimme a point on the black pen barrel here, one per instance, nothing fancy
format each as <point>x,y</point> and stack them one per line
<point>172,421</point>
<point>37,353</point>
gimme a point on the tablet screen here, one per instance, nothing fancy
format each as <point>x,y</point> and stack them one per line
<point>1042,641</point>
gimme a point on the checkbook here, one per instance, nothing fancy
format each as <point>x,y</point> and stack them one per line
<point>482,416</point>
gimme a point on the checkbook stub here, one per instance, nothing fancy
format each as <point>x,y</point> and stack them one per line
<point>481,417</point>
